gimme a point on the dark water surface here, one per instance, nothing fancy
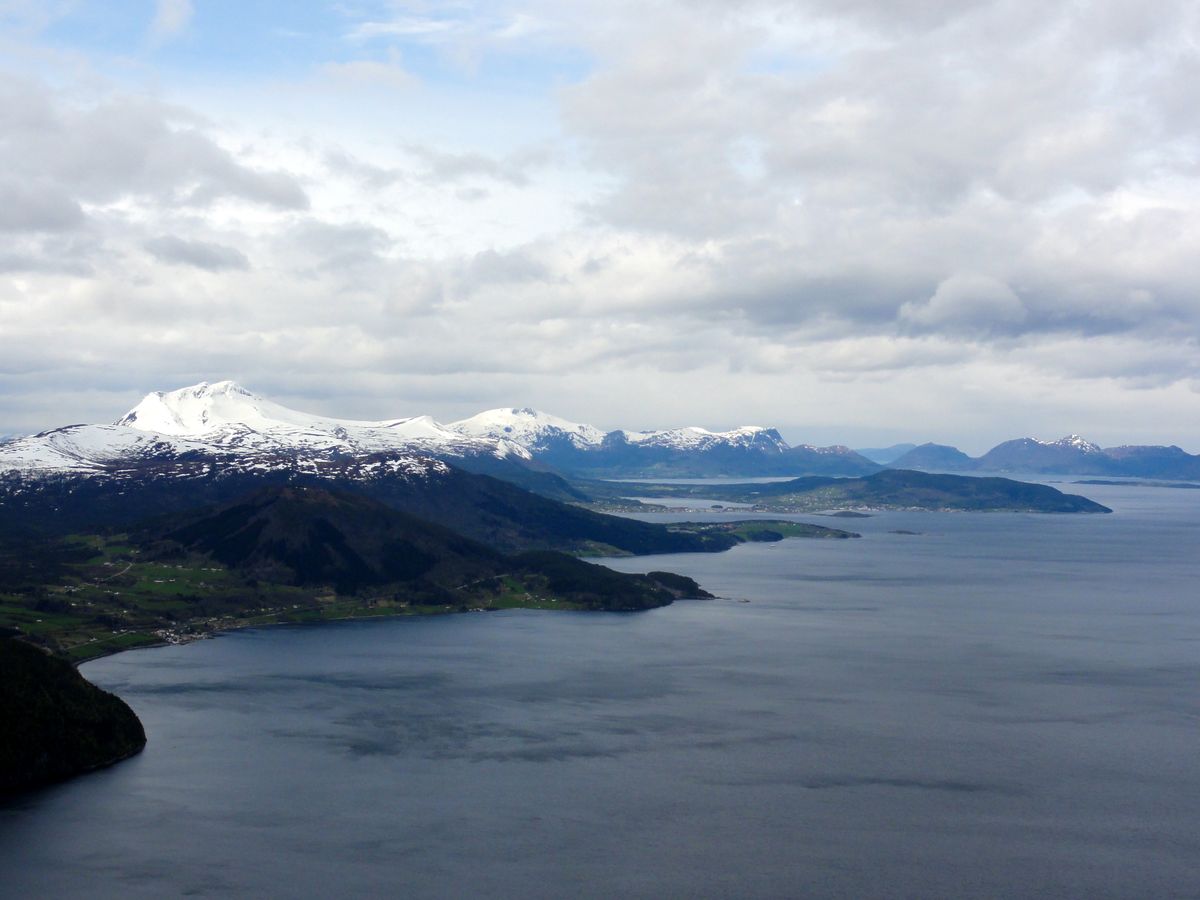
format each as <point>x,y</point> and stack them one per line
<point>1001,706</point>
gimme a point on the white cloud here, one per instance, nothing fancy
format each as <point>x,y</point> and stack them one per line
<point>389,73</point>
<point>171,19</point>
<point>833,217</point>
<point>967,301</point>
<point>207,255</point>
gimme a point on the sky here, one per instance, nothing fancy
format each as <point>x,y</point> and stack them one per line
<point>859,221</point>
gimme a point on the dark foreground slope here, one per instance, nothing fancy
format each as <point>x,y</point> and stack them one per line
<point>498,513</point>
<point>311,537</point>
<point>290,554</point>
<point>54,723</point>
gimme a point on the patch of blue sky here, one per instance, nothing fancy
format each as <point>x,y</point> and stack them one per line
<point>226,39</point>
<point>220,36</point>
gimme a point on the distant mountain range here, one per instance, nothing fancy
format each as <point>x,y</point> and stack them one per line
<point>224,421</point>
<point>228,427</point>
<point>1071,455</point>
<point>679,452</point>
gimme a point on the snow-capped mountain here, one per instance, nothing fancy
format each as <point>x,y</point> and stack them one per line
<point>188,428</point>
<point>530,428</point>
<point>694,438</point>
<point>1074,442</point>
<point>223,421</point>
<point>89,449</point>
<point>688,451</point>
<point>227,415</point>
<point>1071,453</point>
<point>182,431</point>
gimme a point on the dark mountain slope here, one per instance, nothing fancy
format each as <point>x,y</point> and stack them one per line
<point>512,519</point>
<point>54,723</point>
<point>478,506</point>
<point>312,537</point>
<point>309,536</point>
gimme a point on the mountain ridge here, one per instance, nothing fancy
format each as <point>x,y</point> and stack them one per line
<point>225,420</point>
<point>1070,455</point>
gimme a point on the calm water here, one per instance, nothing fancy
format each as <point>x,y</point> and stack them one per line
<point>1000,706</point>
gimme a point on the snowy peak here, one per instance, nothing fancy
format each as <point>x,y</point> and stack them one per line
<point>1075,442</point>
<point>529,428</point>
<point>1071,442</point>
<point>200,409</point>
<point>225,421</point>
<point>229,416</point>
<point>695,438</point>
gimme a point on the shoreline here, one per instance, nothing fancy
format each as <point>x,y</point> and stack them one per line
<point>241,626</point>
<point>404,614</point>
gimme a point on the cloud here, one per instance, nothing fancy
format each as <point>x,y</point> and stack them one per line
<point>968,302</point>
<point>490,268</point>
<point>123,148</point>
<point>37,207</point>
<point>389,74</point>
<point>31,16</point>
<point>341,162</point>
<point>171,19</point>
<point>884,212</point>
<point>205,255</point>
<point>441,166</point>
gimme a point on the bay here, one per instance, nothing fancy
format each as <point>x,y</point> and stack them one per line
<point>998,705</point>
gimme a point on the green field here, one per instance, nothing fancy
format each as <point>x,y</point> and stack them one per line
<point>101,597</point>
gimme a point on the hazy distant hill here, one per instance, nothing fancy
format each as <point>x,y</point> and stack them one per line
<point>885,455</point>
<point>935,458</point>
<point>1071,455</point>
<point>1155,462</point>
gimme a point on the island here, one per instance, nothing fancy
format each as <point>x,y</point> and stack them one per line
<point>890,489</point>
